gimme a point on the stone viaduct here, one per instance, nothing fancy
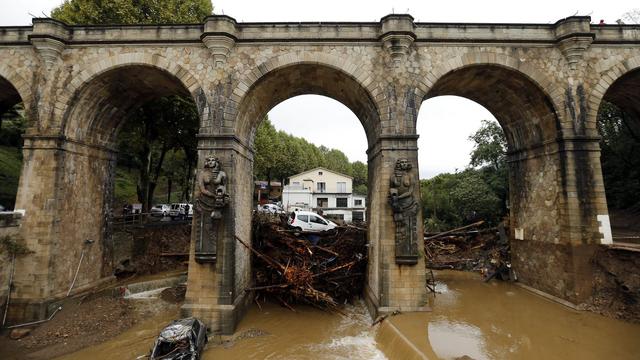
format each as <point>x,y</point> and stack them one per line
<point>543,82</point>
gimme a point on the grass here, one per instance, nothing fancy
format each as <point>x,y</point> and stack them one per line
<point>125,187</point>
<point>10,167</point>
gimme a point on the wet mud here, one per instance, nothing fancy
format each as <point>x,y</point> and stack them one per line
<point>470,319</point>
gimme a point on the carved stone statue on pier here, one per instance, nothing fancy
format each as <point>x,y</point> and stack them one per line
<point>405,210</point>
<point>212,198</point>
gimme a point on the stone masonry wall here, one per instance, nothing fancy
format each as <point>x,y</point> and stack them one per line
<point>80,83</point>
<point>9,227</point>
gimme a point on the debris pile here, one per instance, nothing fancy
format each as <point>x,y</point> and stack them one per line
<point>483,250</point>
<point>320,269</point>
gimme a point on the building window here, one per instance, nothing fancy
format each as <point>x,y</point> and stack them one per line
<point>322,187</point>
<point>357,202</point>
<point>342,187</point>
<point>296,183</point>
<point>319,172</point>
<point>357,216</point>
<point>323,202</point>
<point>341,202</point>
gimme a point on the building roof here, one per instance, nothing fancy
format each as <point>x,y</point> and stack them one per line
<point>262,182</point>
<point>321,168</point>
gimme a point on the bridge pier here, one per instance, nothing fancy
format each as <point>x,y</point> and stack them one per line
<point>79,84</point>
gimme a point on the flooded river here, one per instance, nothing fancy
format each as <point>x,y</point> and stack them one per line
<point>469,318</point>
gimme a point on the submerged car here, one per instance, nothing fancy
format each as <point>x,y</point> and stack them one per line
<point>183,339</point>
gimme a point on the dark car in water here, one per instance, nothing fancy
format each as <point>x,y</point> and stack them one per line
<point>182,339</point>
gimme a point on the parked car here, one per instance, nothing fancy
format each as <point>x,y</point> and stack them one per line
<point>160,210</point>
<point>309,221</point>
<point>180,210</point>
<point>270,208</point>
<point>183,339</point>
<point>132,209</point>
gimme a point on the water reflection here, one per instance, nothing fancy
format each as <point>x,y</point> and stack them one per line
<point>499,320</point>
<point>454,340</point>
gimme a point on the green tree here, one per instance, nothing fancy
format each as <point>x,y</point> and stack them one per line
<point>132,11</point>
<point>279,155</point>
<point>162,125</point>
<point>12,126</point>
<point>490,146</point>
<point>620,144</point>
<point>451,200</point>
<point>360,177</point>
<point>336,160</point>
<point>479,192</point>
<point>269,152</point>
<point>490,156</point>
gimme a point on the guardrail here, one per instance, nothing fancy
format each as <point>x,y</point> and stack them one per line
<point>145,219</point>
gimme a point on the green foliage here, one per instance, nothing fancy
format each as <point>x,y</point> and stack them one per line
<point>490,146</point>
<point>132,11</point>
<point>620,146</point>
<point>125,186</point>
<point>12,126</point>
<point>479,192</point>
<point>360,189</point>
<point>10,166</point>
<point>451,200</point>
<point>164,128</point>
<point>279,155</point>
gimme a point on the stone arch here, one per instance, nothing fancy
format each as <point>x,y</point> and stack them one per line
<point>92,79</point>
<point>524,100</point>
<point>12,79</point>
<point>242,109</point>
<point>527,70</point>
<point>609,80</point>
<point>526,104</point>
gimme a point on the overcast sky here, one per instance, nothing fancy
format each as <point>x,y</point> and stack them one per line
<point>444,123</point>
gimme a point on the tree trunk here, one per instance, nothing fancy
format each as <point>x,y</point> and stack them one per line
<point>187,181</point>
<point>169,190</point>
<point>143,183</point>
<point>268,185</point>
<point>153,181</point>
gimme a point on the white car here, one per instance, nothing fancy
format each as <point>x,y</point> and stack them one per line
<point>309,221</point>
<point>270,208</point>
<point>179,210</point>
<point>160,210</point>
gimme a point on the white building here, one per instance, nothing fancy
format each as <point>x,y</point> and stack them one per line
<point>330,192</point>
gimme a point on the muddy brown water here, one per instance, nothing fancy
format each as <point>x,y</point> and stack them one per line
<point>469,318</point>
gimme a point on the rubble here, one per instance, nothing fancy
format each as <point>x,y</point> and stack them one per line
<point>320,269</point>
<point>484,250</point>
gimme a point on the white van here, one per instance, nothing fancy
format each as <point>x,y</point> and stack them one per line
<point>309,221</point>
<point>179,210</point>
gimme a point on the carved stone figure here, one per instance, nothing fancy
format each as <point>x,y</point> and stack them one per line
<point>212,197</point>
<point>405,210</point>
